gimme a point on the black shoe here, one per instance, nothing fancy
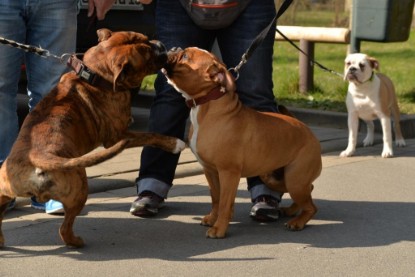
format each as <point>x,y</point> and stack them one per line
<point>265,209</point>
<point>147,204</point>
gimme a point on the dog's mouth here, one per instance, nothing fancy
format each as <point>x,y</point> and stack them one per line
<point>160,52</point>
<point>172,57</point>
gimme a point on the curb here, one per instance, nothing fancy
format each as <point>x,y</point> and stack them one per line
<point>338,120</point>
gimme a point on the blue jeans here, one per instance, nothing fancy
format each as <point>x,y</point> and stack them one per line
<point>169,113</point>
<point>50,24</point>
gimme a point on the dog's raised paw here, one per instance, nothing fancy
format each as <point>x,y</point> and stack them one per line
<point>180,146</point>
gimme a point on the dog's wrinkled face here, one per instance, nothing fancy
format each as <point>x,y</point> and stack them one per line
<point>359,68</point>
<point>125,58</point>
<point>194,72</point>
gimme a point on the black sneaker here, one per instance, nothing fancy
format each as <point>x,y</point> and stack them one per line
<point>147,204</point>
<point>265,209</point>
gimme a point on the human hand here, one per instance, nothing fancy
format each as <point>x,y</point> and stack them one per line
<point>101,7</point>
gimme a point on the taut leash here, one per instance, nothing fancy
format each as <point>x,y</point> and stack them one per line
<point>81,70</point>
<point>32,49</point>
<point>312,61</point>
<point>260,38</point>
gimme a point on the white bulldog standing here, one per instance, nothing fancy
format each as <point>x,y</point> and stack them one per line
<point>370,95</point>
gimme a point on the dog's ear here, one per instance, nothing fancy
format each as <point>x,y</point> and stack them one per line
<point>118,67</point>
<point>374,63</point>
<point>223,77</point>
<point>103,34</point>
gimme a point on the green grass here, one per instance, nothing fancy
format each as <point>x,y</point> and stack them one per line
<point>396,60</point>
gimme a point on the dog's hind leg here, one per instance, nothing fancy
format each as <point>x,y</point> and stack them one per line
<point>73,204</point>
<point>4,203</point>
<point>399,140</point>
<point>370,133</point>
<point>298,178</point>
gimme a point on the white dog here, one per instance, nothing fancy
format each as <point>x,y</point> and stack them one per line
<point>370,95</point>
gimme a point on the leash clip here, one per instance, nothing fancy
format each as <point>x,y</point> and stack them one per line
<point>238,67</point>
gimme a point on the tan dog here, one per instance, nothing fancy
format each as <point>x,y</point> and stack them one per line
<point>370,95</point>
<point>49,157</point>
<point>233,141</point>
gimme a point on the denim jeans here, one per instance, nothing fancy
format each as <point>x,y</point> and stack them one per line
<point>50,24</point>
<point>169,113</point>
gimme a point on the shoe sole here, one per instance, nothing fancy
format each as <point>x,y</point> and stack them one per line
<point>37,208</point>
<point>264,216</point>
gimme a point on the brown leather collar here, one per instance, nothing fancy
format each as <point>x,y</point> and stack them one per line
<point>86,74</point>
<point>214,94</point>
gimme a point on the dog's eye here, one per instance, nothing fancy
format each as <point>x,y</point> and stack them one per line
<point>348,63</point>
<point>362,65</point>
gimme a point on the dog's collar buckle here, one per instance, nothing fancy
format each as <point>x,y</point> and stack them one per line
<point>86,74</point>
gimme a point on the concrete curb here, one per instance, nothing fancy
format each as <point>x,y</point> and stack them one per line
<point>339,120</point>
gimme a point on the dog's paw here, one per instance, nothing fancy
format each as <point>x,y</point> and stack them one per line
<point>346,153</point>
<point>214,233</point>
<point>368,141</point>
<point>294,225</point>
<point>208,220</point>
<point>400,143</point>
<point>75,242</point>
<point>180,146</point>
<point>387,153</point>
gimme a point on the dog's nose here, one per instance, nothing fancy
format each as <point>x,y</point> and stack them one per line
<point>175,50</point>
<point>160,51</point>
<point>352,69</point>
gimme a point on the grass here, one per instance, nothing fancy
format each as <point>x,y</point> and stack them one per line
<point>330,90</point>
<point>396,61</point>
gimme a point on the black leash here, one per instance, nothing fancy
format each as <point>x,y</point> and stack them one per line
<point>312,61</point>
<point>260,38</point>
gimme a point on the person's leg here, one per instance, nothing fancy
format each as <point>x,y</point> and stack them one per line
<point>254,84</point>
<point>168,114</point>
<point>11,27</point>
<point>52,26</point>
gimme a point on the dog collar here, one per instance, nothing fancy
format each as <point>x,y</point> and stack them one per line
<point>86,74</point>
<point>370,79</point>
<point>214,94</point>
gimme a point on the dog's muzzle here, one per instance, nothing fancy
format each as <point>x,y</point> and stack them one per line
<point>160,52</point>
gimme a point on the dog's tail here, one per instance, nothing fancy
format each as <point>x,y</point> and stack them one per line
<point>50,162</point>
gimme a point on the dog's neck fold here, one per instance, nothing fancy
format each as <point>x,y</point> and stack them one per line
<point>214,94</point>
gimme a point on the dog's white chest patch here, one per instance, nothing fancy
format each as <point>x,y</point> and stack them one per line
<point>193,140</point>
<point>366,101</point>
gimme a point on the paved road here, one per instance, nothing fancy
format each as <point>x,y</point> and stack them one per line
<point>365,225</point>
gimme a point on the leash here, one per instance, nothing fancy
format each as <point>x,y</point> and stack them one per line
<point>33,49</point>
<point>259,39</point>
<point>81,70</point>
<point>312,61</point>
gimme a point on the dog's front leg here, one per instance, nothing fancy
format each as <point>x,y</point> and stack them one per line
<point>229,181</point>
<point>387,136</point>
<point>353,125</point>
<point>214,187</point>
<point>169,144</point>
